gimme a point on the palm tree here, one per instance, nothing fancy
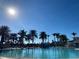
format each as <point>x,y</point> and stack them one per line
<point>63,39</point>
<point>48,38</point>
<point>33,35</point>
<point>28,38</point>
<point>43,36</point>
<point>57,36</point>
<point>4,32</point>
<point>54,34</point>
<point>74,34</point>
<point>22,34</point>
<point>13,37</point>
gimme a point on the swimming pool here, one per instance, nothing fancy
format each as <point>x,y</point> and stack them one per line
<point>39,53</point>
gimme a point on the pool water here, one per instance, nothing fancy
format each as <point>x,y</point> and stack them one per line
<point>39,53</point>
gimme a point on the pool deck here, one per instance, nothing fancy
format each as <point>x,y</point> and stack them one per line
<point>32,58</point>
<point>13,58</point>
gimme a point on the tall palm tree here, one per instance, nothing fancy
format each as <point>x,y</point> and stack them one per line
<point>13,37</point>
<point>74,34</point>
<point>22,34</point>
<point>4,32</point>
<point>54,34</point>
<point>33,35</point>
<point>63,39</point>
<point>43,36</point>
<point>57,36</point>
<point>28,38</point>
<point>48,38</point>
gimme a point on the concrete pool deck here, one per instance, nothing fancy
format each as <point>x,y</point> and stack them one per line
<point>32,58</point>
<point>14,58</point>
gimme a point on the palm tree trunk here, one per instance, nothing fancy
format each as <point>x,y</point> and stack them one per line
<point>32,39</point>
<point>28,41</point>
<point>42,40</point>
<point>48,39</point>
<point>54,38</point>
<point>2,39</point>
<point>45,40</point>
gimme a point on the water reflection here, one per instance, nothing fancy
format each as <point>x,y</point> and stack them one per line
<point>51,53</point>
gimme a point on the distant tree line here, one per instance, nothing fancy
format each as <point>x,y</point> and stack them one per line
<point>17,38</point>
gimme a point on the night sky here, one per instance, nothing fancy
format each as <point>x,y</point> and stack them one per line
<point>42,15</point>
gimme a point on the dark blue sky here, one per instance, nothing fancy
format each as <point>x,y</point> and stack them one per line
<point>43,15</point>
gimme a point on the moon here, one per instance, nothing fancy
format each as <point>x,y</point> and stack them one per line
<point>11,11</point>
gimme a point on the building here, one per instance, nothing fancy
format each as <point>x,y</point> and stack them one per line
<point>74,42</point>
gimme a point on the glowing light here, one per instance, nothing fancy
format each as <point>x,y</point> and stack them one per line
<point>11,11</point>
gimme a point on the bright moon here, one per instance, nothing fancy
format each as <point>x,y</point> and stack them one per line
<point>11,11</point>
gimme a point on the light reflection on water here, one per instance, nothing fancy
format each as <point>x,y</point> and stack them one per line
<point>38,53</point>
